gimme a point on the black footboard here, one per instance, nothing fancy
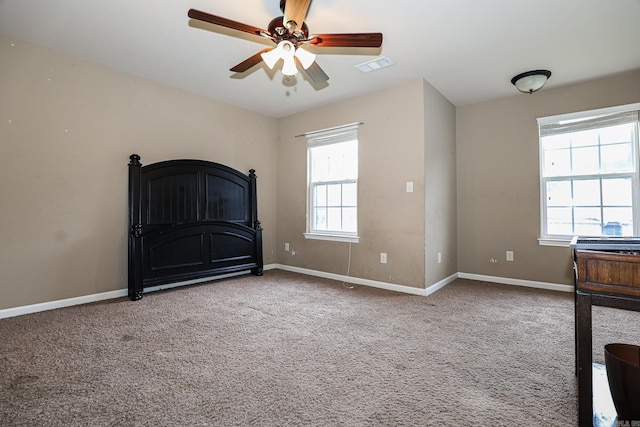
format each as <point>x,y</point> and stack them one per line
<point>190,219</point>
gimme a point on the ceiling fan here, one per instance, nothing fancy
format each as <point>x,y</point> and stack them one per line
<point>290,34</point>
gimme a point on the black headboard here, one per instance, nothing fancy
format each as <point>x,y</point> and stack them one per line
<point>190,219</point>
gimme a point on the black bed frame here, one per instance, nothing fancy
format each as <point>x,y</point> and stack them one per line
<point>190,220</point>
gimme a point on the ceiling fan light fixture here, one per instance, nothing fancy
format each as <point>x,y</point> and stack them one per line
<point>531,81</point>
<point>271,57</point>
<point>289,68</point>
<point>305,57</point>
<point>287,52</point>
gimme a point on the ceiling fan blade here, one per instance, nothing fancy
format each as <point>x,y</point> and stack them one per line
<point>224,22</point>
<point>347,40</point>
<point>250,62</point>
<point>296,11</point>
<point>316,73</point>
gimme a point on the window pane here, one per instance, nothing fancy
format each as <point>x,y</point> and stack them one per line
<point>622,215</point>
<point>559,193</point>
<point>336,166</point>
<point>587,222</point>
<point>350,219</point>
<point>586,192</point>
<point>557,162</point>
<point>618,221</point>
<point>585,160</point>
<point>334,219</point>
<point>320,195</point>
<point>559,221</point>
<point>351,165</point>
<point>617,192</point>
<point>345,160</point>
<point>319,165</point>
<point>556,142</point>
<point>615,134</point>
<point>586,138</point>
<point>320,219</point>
<point>350,194</point>
<point>334,162</point>
<point>334,196</point>
<point>617,158</point>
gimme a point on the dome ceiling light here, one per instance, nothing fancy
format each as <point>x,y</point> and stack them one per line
<point>531,81</point>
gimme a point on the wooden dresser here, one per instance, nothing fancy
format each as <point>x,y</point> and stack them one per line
<point>607,273</point>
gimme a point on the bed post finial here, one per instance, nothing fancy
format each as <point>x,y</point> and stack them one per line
<point>135,160</point>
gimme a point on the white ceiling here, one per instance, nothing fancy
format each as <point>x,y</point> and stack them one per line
<point>467,49</point>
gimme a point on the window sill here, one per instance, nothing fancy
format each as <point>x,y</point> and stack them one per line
<point>555,241</point>
<point>332,237</point>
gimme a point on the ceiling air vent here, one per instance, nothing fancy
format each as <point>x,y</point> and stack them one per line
<point>374,64</point>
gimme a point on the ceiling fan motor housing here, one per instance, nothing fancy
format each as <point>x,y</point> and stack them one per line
<point>279,31</point>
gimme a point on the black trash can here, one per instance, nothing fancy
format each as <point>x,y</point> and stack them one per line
<point>623,372</point>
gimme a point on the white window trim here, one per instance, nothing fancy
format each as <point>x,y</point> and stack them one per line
<point>551,241</point>
<point>589,113</point>
<point>316,138</point>
<point>333,237</point>
<point>564,241</point>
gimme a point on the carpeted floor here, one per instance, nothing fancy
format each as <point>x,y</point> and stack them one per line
<point>288,349</point>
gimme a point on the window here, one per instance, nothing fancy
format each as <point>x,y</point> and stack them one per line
<point>589,174</point>
<point>332,208</point>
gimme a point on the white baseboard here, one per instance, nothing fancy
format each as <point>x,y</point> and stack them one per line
<point>441,284</point>
<point>51,305</point>
<point>270,267</point>
<point>517,282</point>
<point>430,289</point>
<point>354,280</point>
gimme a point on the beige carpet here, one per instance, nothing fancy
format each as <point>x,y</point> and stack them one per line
<point>288,349</point>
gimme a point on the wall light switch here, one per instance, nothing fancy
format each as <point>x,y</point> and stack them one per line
<point>286,247</point>
<point>383,258</point>
<point>409,186</point>
<point>509,255</point>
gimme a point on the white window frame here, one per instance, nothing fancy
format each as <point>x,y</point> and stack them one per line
<point>335,135</point>
<point>581,121</point>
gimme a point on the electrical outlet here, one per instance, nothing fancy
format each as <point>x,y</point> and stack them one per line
<point>509,255</point>
<point>383,258</point>
<point>439,257</point>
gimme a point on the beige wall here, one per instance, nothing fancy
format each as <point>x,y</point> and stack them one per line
<point>67,128</point>
<point>440,186</point>
<point>498,178</point>
<point>391,152</point>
